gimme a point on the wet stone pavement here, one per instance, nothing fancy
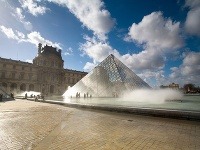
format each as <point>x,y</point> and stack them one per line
<point>31,125</point>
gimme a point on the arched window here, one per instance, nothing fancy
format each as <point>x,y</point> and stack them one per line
<point>31,87</point>
<point>13,86</point>
<point>51,89</point>
<point>4,86</point>
<point>23,87</point>
<point>21,76</point>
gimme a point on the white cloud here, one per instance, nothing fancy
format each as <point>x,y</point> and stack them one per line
<point>159,36</point>
<point>154,78</point>
<point>33,7</point>
<point>91,13</point>
<point>189,70</point>
<point>19,16</point>
<point>11,34</point>
<point>20,35</point>
<point>192,23</point>
<point>69,51</point>
<point>29,60</point>
<point>149,59</point>
<point>156,31</point>
<point>89,66</point>
<point>97,49</point>
<point>192,3</point>
<point>191,64</point>
<point>33,37</point>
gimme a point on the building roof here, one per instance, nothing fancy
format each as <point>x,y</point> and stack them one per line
<point>15,61</point>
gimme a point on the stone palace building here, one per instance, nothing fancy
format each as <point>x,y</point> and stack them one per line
<point>46,74</point>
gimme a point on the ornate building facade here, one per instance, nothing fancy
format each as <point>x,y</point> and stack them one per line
<point>46,74</point>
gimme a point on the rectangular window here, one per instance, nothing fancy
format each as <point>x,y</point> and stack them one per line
<point>30,76</point>
<point>3,75</point>
<point>21,76</point>
<point>13,75</point>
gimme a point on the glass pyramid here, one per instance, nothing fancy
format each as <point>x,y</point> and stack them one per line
<point>111,78</point>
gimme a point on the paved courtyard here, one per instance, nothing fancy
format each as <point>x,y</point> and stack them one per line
<point>33,125</point>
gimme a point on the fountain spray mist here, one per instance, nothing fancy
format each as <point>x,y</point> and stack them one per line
<point>152,96</point>
<point>29,93</point>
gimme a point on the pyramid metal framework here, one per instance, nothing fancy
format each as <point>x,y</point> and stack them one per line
<point>111,78</point>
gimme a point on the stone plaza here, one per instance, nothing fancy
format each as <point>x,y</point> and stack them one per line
<point>34,125</point>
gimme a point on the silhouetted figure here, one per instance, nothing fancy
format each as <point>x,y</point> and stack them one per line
<point>84,95</point>
<point>78,94</point>
<point>36,98</point>
<point>87,94</point>
<point>11,95</point>
<point>26,96</point>
<point>42,97</point>
<point>1,97</point>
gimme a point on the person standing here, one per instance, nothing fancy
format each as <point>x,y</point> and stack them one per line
<point>1,97</point>
<point>26,96</point>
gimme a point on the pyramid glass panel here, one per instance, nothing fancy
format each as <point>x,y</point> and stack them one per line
<point>111,78</point>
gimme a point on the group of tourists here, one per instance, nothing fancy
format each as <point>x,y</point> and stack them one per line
<point>36,97</point>
<point>85,95</point>
<point>78,94</point>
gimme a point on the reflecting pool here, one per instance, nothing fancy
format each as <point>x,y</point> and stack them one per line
<point>187,102</point>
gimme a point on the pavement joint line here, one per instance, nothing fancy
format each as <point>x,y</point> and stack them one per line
<point>44,144</point>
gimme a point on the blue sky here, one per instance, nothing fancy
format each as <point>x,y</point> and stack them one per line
<point>157,39</point>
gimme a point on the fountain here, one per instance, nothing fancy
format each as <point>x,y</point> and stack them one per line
<point>113,86</point>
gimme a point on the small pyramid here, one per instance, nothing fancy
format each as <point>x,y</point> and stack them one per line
<point>111,78</point>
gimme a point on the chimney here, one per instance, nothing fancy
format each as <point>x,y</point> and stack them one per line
<point>39,48</point>
<point>59,51</point>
